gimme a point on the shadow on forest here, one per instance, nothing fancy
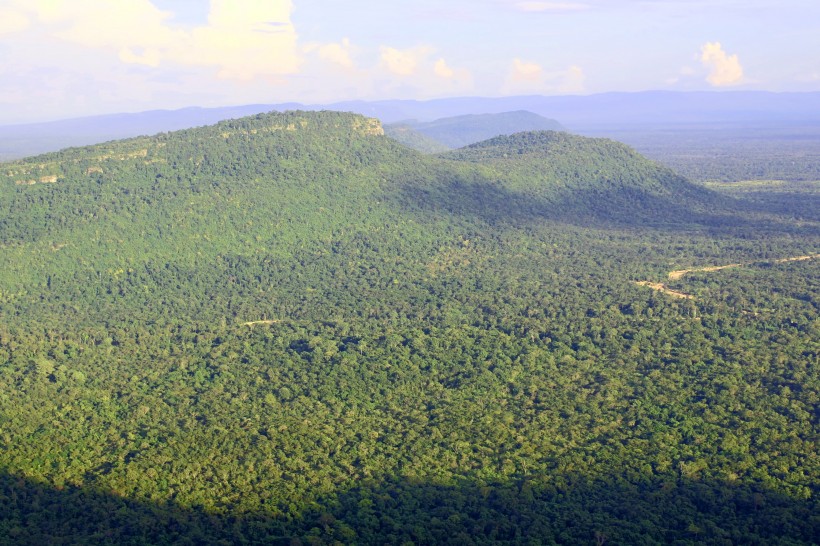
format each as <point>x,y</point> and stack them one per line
<point>665,510</point>
<point>697,208</point>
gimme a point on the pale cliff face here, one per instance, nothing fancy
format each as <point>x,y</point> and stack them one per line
<point>369,126</point>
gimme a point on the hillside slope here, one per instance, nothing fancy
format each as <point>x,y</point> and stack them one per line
<point>591,180</point>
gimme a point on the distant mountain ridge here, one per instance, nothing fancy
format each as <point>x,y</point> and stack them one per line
<point>578,112</point>
<point>458,131</point>
<point>582,114</point>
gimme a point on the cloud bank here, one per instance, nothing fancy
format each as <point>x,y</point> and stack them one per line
<point>241,40</point>
<point>65,58</point>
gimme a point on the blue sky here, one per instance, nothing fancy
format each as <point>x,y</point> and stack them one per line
<point>68,58</point>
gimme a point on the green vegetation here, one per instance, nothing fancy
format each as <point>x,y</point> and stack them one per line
<point>446,348</point>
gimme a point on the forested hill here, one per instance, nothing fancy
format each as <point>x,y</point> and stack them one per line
<point>591,179</point>
<point>295,160</point>
<point>284,184</point>
<point>289,328</point>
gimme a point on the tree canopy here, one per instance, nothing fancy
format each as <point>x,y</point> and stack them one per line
<point>292,328</point>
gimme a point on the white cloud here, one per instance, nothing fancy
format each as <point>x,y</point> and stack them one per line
<point>100,24</point>
<point>414,71</point>
<point>572,80</point>
<point>454,79</point>
<point>530,77</point>
<point>724,70</point>
<point>12,21</point>
<point>550,6</point>
<point>403,62</point>
<point>335,53</point>
<point>242,40</point>
<point>525,72</point>
<point>80,57</point>
<point>442,70</point>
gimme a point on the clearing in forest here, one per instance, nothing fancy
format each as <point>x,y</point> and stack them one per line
<point>678,274</point>
<point>255,322</point>
<point>675,275</point>
<point>662,288</point>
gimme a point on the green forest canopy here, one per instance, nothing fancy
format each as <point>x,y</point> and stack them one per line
<point>440,348</point>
